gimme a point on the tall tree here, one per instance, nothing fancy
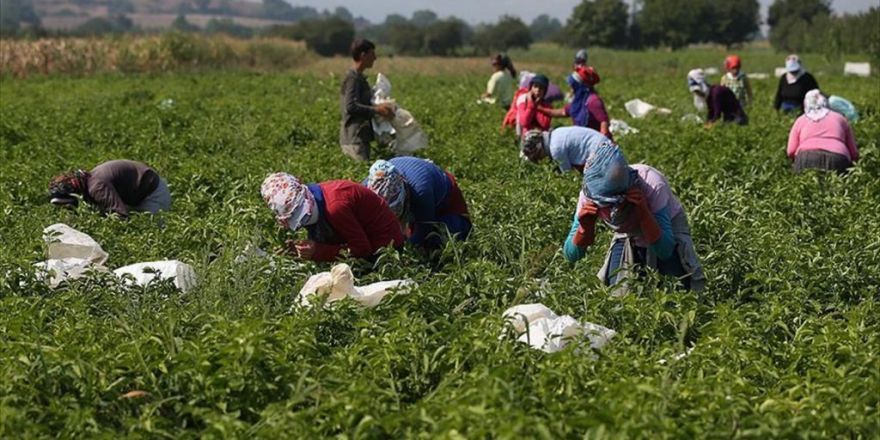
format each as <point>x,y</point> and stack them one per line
<point>675,23</point>
<point>423,17</point>
<point>790,20</point>
<point>597,23</point>
<point>734,21</point>
<point>544,27</point>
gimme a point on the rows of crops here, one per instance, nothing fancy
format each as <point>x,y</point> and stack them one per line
<point>783,342</point>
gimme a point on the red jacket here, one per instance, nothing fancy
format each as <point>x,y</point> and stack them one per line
<point>358,219</point>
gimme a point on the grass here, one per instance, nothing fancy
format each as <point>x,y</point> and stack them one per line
<point>785,338</point>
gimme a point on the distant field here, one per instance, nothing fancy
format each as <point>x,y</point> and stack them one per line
<point>782,344</point>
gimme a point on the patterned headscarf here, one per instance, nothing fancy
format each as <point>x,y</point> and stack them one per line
<point>533,141</point>
<point>606,176</point>
<point>815,105</point>
<point>387,181</point>
<point>62,187</point>
<point>290,200</point>
<point>696,81</point>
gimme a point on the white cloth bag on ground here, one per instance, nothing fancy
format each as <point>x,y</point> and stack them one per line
<point>757,75</point>
<point>621,128</point>
<point>858,69</point>
<point>538,326</point>
<point>402,132</point>
<point>71,253</point>
<point>339,284</point>
<point>639,109</point>
<point>142,274</point>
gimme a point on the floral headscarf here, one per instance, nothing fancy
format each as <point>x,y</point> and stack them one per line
<point>606,176</point>
<point>290,200</point>
<point>62,187</point>
<point>533,141</point>
<point>387,181</point>
<point>815,105</point>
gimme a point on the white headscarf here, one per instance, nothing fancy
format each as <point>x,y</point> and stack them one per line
<point>697,82</point>
<point>794,70</point>
<point>815,105</point>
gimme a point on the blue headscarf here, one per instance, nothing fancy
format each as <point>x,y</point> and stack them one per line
<point>607,176</point>
<point>387,181</point>
<point>578,109</point>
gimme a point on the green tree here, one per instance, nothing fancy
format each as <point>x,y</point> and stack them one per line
<point>789,20</point>
<point>406,38</point>
<point>327,37</point>
<point>597,23</point>
<point>15,12</point>
<point>444,37</point>
<point>507,33</point>
<point>675,23</point>
<point>544,27</point>
<point>182,24</point>
<point>733,21</point>
<point>423,17</point>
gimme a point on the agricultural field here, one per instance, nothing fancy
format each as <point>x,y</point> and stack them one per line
<point>784,341</point>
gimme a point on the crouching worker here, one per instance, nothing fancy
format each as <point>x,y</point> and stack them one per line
<point>117,186</point>
<point>425,199</point>
<point>820,138</point>
<point>337,215</point>
<point>718,101</point>
<point>568,146</point>
<point>650,227</point>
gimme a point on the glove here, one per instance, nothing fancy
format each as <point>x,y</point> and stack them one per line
<point>587,214</point>
<point>647,223</point>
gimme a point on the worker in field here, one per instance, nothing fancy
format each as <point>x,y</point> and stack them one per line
<point>586,108</point>
<point>356,130</point>
<point>793,86</point>
<point>820,138</point>
<point>718,102</point>
<point>502,83</point>
<point>580,59</point>
<point>116,187</point>
<point>737,81</point>
<point>568,146</point>
<point>425,199</point>
<point>649,224</point>
<point>527,115</point>
<point>337,215</point>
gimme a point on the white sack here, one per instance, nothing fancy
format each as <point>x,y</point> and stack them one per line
<point>339,284</point>
<point>692,118</point>
<point>54,271</point>
<point>538,326</point>
<point>758,76</point>
<point>66,242</point>
<point>711,71</point>
<point>639,109</point>
<point>402,132</point>
<point>858,69</point>
<point>621,128</point>
<point>779,71</point>
<point>142,274</point>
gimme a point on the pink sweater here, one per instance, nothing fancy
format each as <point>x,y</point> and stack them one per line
<point>832,133</point>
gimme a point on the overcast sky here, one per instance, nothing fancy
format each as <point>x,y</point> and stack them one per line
<point>475,11</point>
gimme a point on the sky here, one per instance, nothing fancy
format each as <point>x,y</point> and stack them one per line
<point>475,11</point>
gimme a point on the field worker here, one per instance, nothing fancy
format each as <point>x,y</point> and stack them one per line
<point>502,83</point>
<point>337,215</point>
<point>718,101</point>
<point>737,81</point>
<point>650,227</point>
<point>793,86</point>
<point>425,199</point>
<point>527,115</point>
<point>586,108</point>
<point>580,59</point>
<point>568,146</point>
<point>117,186</point>
<point>821,138</point>
<point>356,129</point>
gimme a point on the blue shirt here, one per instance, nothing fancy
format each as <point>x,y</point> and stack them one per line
<point>570,146</point>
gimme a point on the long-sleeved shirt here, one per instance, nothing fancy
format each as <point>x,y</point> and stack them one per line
<point>117,185</point>
<point>351,216</point>
<point>793,94</point>
<point>662,203</point>
<point>356,109</point>
<point>831,133</point>
<point>738,83</point>
<point>722,103</point>
<point>527,115</point>
<point>570,146</point>
<point>501,87</point>
<point>596,111</point>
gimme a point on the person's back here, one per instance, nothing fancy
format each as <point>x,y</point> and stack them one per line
<point>429,183</point>
<point>570,146</point>
<point>131,181</point>
<point>501,87</point>
<point>832,133</point>
<point>723,103</point>
<point>360,217</point>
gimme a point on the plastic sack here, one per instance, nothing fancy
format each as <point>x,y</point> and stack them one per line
<point>692,118</point>
<point>858,69</point>
<point>71,254</point>
<point>339,284</point>
<point>402,132</point>
<point>711,71</point>
<point>538,326</point>
<point>621,128</point>
<point>843,106</point>
<point>779,71</point>
<point>639,109</point>
<point>758,75</point>
<point>142,274</point>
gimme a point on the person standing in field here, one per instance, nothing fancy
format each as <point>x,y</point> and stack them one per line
<point>737,81</point>
<point>649,224</point>
<point>718,101</point>
<point>527,104</point>
<point>793,86</point>
<point>115,187</point>
<point>502,83</point>
<point>425,199</point>
<point>586,108</point>
<point>568,146</point>
<point>337,215</point>
<point>356,129</point>
<point>820,138</point>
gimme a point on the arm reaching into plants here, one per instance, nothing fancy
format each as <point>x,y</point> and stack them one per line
<point>582,233</point>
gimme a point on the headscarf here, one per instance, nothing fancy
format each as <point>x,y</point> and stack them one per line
<point>815,105</point>
<point>732,62</point>
<point>794,70</point>
<point>581,81</point>
<point>290,200</point>
<point>540,81</point>
<point>533,141</point>
<point>606,176</point>
<point>387,181</point>
<point>696,80</point>
<point>580,58</point>
<point>64,186</point>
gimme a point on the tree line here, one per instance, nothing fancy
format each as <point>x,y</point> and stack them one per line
<point>795,25</point>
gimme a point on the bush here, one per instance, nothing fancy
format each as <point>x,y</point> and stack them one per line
<point>509,32</point>
<point>327,37</point>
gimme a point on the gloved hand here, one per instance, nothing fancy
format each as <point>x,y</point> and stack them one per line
<point>647,223</point>
<point>586,232</point>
